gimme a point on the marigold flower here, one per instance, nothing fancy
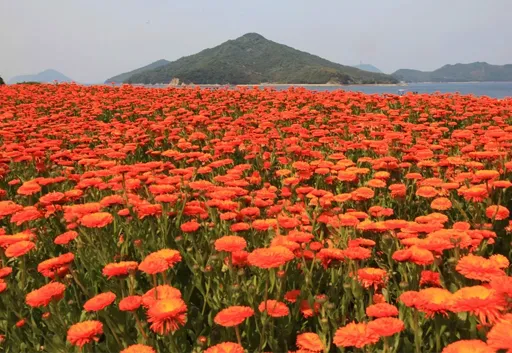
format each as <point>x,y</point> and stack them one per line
<point>84,332</point>
<point>441,204</point>
<point>370,276</point>
<point>274,308</point>
<point>479,268</point>
<point>499,335</point>
<point>272,257</point>
<point>138,348</point>
<point>65,238</point>
<point>468,346</point>
<point>96,220</point>
<point>44,295</point>
<point>310,342</point>
<point>162,292</point>
<point>497,212</point>
<point>122,268</point>
<point>167,315</point>
<point>226,347</point>
<point>355,335</point>
<point>19,249</point>
<point>386,326</point>
<point>153,264</point>
<point>230,243</point>
<point>480,301</point>
<point>130,303</point>
<point>381,310</point>
<point>233,316</point>
<point>99,301</point>
<point>433,300</point>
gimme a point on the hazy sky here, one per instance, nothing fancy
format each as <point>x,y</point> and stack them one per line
<point>92,40</point>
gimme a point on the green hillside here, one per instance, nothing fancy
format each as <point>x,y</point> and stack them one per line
<point>478,71</point>
<point>124,76</point>
<point>252,59</point>
<point>2,81</point>
<point>368,67</point>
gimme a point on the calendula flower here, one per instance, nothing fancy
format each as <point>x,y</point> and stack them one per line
<point>272,257</point>
<point>381,310</point>
<point>99,301</point>
<point>355,335</point>
<point>230,243</point>
<point>44,295</point>
<point>468,346</point>
<point>226,347</point>
<point>274,308</point>
<point>167,315</point>
<point>138,348</point>
<point>84,332</point>
<point>233,316</point>
<point>122,268</point>
<point>310,342</point>
<point>386,326</point>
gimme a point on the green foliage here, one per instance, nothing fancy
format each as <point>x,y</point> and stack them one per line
<point>478,71</point>
<point>252,59</point>
<point>124,76</point>
<point>2,81</point>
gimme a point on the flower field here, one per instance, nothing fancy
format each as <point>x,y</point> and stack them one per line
<point>140,220</point>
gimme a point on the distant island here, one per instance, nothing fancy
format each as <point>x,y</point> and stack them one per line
<point>252,59</point>
<point>368,67</point>
<point>474,72</point>
<point>42,77</point>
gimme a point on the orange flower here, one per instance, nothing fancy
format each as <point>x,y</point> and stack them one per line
<point>468,346</point>
<point>233,316</point>
<point>310,342</point>
<point>441,204</point>
<point>122,268</point>
<point>427,192</point>
<point>162,292</point>
<point>65,238</point>
<point>96,220</point>
<point>499,335</point>
<point>99,301</point>
<point>138,348</point>
<point>274,308</point>
<point>272,257</point>
<point>381,310</point>
<point>153,264</point>
<point>480,301</point>
<point>167,315</point>
<point>370,276</point>
<point>19,249</point>
<point>433,300</point>
<point>362,193</point>
<point>230,243</point>
<point>171,256</point>
<point>29,188</point>
<point>226,347</point>
<point>386,326</point>
<point>496,212</point>
<point>480,268</point>
<point>44,295</point>
<point>130,303</point>
<point>355,335</point>
<point>84,332</point>
<point>56,265</point>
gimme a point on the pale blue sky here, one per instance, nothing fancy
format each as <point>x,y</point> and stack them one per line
<point>92,40</point>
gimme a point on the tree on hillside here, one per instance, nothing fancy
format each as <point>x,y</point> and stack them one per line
<point>1,81</point>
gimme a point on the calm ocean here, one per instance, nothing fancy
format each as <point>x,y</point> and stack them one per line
<point>490,89</point>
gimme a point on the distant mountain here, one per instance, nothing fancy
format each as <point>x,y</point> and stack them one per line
<point>368,67</point>
<point>123,77</point>
<point>45,76</point>
<point>253,59</point>
<point>478,71</point>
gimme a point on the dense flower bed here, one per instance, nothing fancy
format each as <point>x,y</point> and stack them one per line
<point>142,220</point>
